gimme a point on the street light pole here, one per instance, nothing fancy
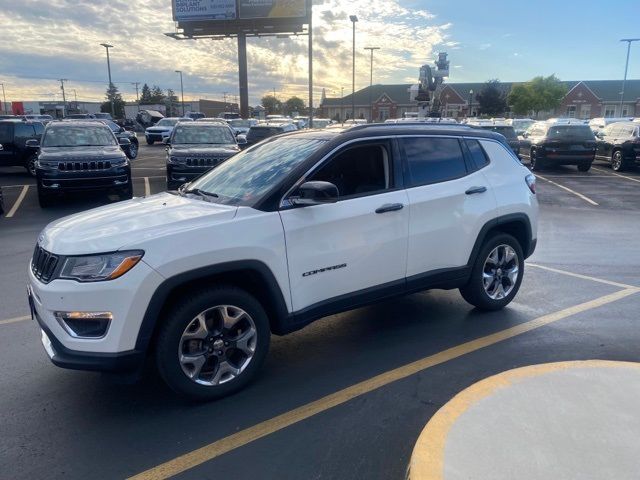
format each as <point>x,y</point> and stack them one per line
<point>181,90</point>
<point>4,100</point>
<point>626,68</point>
<point>107,46</point>
<point>353,19</point>
<point>342,105</point>
<point>470,98</point>
<point>372,49</point>
<point>137,95</point>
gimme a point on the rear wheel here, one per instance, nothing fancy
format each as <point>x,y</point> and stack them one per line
<point>150,142</point>
<point>212,343</point>
<point>584,167</point>
<point>497,273</point>
<point>617,161</point>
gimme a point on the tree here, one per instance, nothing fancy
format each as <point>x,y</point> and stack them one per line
<point>157,95</point>
<point>491,98</point>
<point>538,94</point>
<point>272,105</point>
<point>293,105</point>
<point>145,99</point>
<point>118,102</point>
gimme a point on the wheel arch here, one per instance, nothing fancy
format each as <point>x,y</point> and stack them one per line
<point>517,225</point>
<point>251,275</point>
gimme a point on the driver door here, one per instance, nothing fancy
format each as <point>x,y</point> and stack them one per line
<point>356,247</point>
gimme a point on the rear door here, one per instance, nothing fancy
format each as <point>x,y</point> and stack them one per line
<point>7,152</point>
<point>358,243</point>
<point>450,200</point>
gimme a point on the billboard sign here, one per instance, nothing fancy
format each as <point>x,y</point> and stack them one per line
<point>198,10</point>
<point>250,9</point>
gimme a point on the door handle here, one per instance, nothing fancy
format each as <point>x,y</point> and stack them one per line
<point>390,207</point>
<point>473,190</point>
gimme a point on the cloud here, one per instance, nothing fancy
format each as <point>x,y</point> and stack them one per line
<point>51,39</point>
<point>484,46</point>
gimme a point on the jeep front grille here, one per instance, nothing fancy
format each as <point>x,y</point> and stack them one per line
<point>43,264</point>
<point>203,162</point>
<point>81,166</point>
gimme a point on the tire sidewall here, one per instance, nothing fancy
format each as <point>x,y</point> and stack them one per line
<point>177,320</point>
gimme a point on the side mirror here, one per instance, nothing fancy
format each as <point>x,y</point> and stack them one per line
<point>33,143</point>
<point>124,142</point>
<point>316,193</point>
<point>166,140</point>
<point>242,139</point>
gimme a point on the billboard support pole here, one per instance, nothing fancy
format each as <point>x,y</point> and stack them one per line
<point>310,12</point>
<point>243,76</point>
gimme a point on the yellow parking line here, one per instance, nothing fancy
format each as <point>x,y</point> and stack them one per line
<point>616,174</point>
<point>15,320</point>
<point>578,275</point>
<point>248,435</point>
<point>16,205</point>
<point>147,187</point>
<point>586,199</point>
<point>427,459</point>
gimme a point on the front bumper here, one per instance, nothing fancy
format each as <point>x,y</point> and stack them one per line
<point>126,297</point>
<point>566,158</point>
<point>54,180</point>
<point>156,136</point>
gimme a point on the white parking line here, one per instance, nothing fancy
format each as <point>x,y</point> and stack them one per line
<point>616,174</point>
<point>147,187</point>
<point>15,320</point>
<point>586,199</point>
<point>16,205</point>
<point>16,186</point>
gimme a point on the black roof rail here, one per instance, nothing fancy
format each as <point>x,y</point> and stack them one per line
<point>409,124</point>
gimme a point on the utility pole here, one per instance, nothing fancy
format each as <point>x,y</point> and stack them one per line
<point>181,90</point>
<point>113,109</point>
<point>372,49</point>
<point>64,97</point>
<point>342,104</point>
<point>353,19</point>
<point>225,100</point>
<point>137,96</point>
<point>626,68</point>
<point>4,100</point>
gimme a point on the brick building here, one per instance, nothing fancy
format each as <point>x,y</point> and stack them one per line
<point>584,99</point>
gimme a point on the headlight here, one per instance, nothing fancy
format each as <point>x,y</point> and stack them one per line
<point>97,268</point>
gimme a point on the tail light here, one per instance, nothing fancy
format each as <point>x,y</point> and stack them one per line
<point>531,183</point>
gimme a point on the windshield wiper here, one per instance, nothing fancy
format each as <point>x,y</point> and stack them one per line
<point>197,191</point>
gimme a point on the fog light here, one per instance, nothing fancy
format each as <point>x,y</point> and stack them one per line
<point>85,324</point>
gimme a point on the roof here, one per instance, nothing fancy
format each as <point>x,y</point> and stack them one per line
<point>606,90</point>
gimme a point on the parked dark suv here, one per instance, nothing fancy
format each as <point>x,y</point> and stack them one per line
<point>619,143</point>
<point>81,156</point>
<point>14,152</point>
<point>547,144</point>
<point>195,148</point>
<point>121,132</point>
<point>508,132</point>
<point>257,133</point>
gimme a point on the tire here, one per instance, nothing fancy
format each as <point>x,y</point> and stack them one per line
<point>150,142</point>
<point>127,192</point>
<point>584,167</point>
<point>536,163</point>
<point>617,161</point>
<point>44,200</point>
<point>475,292</point>
<point>133,150</point>
<point>31,165</point>
<point>213,354</point>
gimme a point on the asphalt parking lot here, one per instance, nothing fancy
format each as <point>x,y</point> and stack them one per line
<point>345,398</point>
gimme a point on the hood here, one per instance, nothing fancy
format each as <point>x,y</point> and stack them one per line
<point>128,224</point>
<point>166,128</point>
<point>70,154</point>
<point>204,150</point>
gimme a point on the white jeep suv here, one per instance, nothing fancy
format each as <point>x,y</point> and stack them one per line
<point>300,226</point>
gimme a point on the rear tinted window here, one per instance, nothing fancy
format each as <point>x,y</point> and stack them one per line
<point>573,131</point>
<point>433,160</point>
<point>508,132</point>
<point>477,154</point>
<point>5,133</point>
<point>23,130</point>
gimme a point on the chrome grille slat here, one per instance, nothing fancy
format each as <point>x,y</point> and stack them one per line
<point>83,166</point>
<point>43,264</point>
<point>203,162</point>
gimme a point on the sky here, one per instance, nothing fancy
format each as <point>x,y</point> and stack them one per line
<point>511,40</point>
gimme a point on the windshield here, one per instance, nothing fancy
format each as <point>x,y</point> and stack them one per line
<point>78,136</point>
<point>167,122</point>
<point>508,132</point>
<point>202,135</point>
<point>247,176</point>
<point>574,131</point>
<point>115,128</point>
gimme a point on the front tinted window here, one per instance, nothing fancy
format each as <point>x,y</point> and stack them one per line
<point>115,128</point>
<point>245,177</point>
<point>582,132</point>
<point>39,128</point>
<point>433,160</point>
<point>202,135</point>
<point>78,136</point>
<point>5,133</point>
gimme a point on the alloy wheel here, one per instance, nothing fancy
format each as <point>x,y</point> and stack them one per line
<point>616,161</point>
<point>217,345</point>
<point>500,272</point>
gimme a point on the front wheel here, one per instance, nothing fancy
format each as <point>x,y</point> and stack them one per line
<point>212,342</point>
<point>31,165</point>
<point>133,151</point>
<point>44,200</point>
<point>150,142</point>
<point>497,273</point>
<point>617,161</point>
<point>536,163</point>
<point>127,192</point>
<point>584,167</point>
